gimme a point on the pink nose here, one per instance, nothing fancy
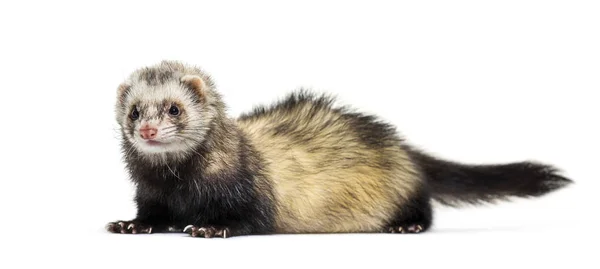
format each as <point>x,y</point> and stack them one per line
<point>148,133</point>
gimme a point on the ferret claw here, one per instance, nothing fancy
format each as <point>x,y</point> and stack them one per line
<point>188,228</point>
<point>415,228</point>
<point>410,229</point>
<point>207,232</point>
<point>126,227</point>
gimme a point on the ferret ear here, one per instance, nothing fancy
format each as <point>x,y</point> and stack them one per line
<point>195,83</point>
<point>122,92</point>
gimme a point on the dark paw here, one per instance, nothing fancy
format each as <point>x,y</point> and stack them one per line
<point>406,229</point>
<point>128,227</point>
<point>207,231</point>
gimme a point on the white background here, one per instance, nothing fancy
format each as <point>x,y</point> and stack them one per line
<point>473,81</point>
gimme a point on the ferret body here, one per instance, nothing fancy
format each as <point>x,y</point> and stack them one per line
<point>301,165</point>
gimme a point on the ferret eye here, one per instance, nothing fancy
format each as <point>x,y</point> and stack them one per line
<point>174,110</point>
<point>135,114</point>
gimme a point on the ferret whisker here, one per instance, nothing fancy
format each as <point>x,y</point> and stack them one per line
<point>186,137</point>
<point>172,172</point>
<point>170,132</point>
<point>131,148</point>
<point>198,154</point>
<point>168,128</point>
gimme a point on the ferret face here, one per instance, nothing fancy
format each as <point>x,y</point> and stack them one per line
<point>172,116</point>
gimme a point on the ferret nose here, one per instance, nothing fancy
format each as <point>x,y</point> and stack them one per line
<point>148,133</point>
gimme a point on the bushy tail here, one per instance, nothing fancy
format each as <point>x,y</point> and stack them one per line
<point>454,183</point>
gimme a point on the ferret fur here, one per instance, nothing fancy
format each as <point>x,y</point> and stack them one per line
<point>301,165</point>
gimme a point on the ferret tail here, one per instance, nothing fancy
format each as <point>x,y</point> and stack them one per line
<point>454,184</point>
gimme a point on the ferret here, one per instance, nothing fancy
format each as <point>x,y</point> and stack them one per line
<point>299,165</point>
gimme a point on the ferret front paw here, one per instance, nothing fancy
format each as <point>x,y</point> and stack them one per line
<point>128,227</point>
<point>207,231</point>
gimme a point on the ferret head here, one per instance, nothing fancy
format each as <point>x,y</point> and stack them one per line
<point>166,109</point>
